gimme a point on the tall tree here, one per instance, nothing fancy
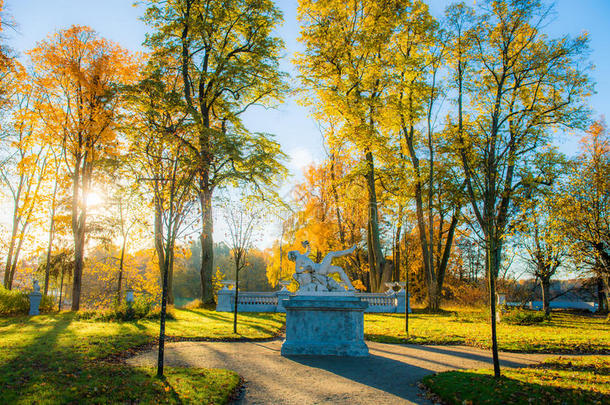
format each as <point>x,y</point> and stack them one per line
<point>76,75</point>
<point>23,173</point>
<point>582,209</point>
<point>345,68</point>
<point>420,53</point>
<point>228,61</point>
<point>164,165</point>
<point>544,250</point>
<point>521,84</point>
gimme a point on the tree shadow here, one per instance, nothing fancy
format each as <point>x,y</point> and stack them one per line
<point>475,387</point>
<point>382,373</point>
<point>60,366</point>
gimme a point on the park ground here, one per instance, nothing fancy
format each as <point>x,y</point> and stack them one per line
<point>63,358</point>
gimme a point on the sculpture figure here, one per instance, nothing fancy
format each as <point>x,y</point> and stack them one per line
<point>313,276</point>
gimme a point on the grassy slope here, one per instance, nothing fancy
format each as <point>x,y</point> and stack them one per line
<point>564,333</point>
<point>584,380</point>
<point>56,358</point>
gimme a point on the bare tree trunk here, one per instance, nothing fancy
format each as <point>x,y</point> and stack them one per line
<point>236,297</point>
<point>119,294</point>
<point>606,283</point>
<point>61,288</point>
<point>207,248</point>
<point>164,269</point>
<point>376,260</point>
<point>493,263</point>
<point>546,295</point>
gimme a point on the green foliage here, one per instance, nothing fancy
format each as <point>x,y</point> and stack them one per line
<point>584,380</point>
<point>14,302</point>
<point>525,317</point>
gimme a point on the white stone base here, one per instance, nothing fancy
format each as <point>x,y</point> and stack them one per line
<point>325,325</point>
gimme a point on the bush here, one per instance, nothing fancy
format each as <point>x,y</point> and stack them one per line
<point>18,303</point>
<point>524,317</point>
<point>142,308</point>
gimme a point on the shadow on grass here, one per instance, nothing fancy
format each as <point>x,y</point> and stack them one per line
<point>457,387</point>
<point>61,366</point>
<point>243,319</point>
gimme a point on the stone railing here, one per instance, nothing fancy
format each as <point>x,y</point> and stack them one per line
<point>389,302</point>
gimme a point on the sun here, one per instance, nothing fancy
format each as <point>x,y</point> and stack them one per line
<point>93,199</point>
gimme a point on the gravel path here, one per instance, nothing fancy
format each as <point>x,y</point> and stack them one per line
<point>388,376</point>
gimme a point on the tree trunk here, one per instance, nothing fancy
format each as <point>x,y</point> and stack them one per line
<point>79,252</point>
<point>120,283</point>
<point>606,281</point>
<point>236,297</point>
<point>376,259</point>
<point>61,288</point>
<point>493,266</point>
<point>396,254</point>
<point>170,280</point>
<point>434,296</point>
<point>546,294</point>
<point>164,269</point>
<point>207,248</point>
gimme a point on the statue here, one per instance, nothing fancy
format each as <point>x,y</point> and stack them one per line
<point>36,287</point>
<point>313,276</point>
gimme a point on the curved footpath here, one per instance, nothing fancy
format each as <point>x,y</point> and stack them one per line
<point>388,376</point>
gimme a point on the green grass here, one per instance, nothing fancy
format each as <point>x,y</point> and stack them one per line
<point>584,380</point>
<point>562,333</point>
<point>60,359</point>
<point>205,324</point>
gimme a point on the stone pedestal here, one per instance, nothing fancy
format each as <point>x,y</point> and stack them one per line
<point>331,324</point>
<point>226,300</point>
<point>35,298</point>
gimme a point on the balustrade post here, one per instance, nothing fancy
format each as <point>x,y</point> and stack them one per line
<point>226,297</point>
<point>283,294</point>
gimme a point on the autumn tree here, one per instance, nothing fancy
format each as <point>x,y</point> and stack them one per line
<point>344,67</point>
<point>242,223</point>
<point>421,51</point>
<point>227,61</point>
<point>582,209</point>
<point>23,173</point>
<point>520,85</point>
<point>544,250</point>
<point>165,167</point>
<point>76,74</point>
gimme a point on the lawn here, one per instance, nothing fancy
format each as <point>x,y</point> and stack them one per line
<point>59,359</point>
<point>203,324</point>
<point>563,333</point>
<point>560,380</point>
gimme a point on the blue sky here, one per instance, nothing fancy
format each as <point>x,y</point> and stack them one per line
<point>118,20</point>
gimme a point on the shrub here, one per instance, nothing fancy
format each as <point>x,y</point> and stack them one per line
<point>18,303</point>
<point>524,317</point>
<point>141,308</point>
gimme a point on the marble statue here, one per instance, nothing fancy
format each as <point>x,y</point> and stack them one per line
<point>36,287</point>
<point>313,276</point>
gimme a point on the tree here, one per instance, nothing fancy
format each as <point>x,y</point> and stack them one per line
<point>420,53</point>
<point>23,173</point>
<point>228,61</point>
<point>165,166</point>
<point>544,250</point>
<point>344,67</point>
<point>242,223</point>
<point>582,209</point>
<point>520,84</point>
<point>76,74</point>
